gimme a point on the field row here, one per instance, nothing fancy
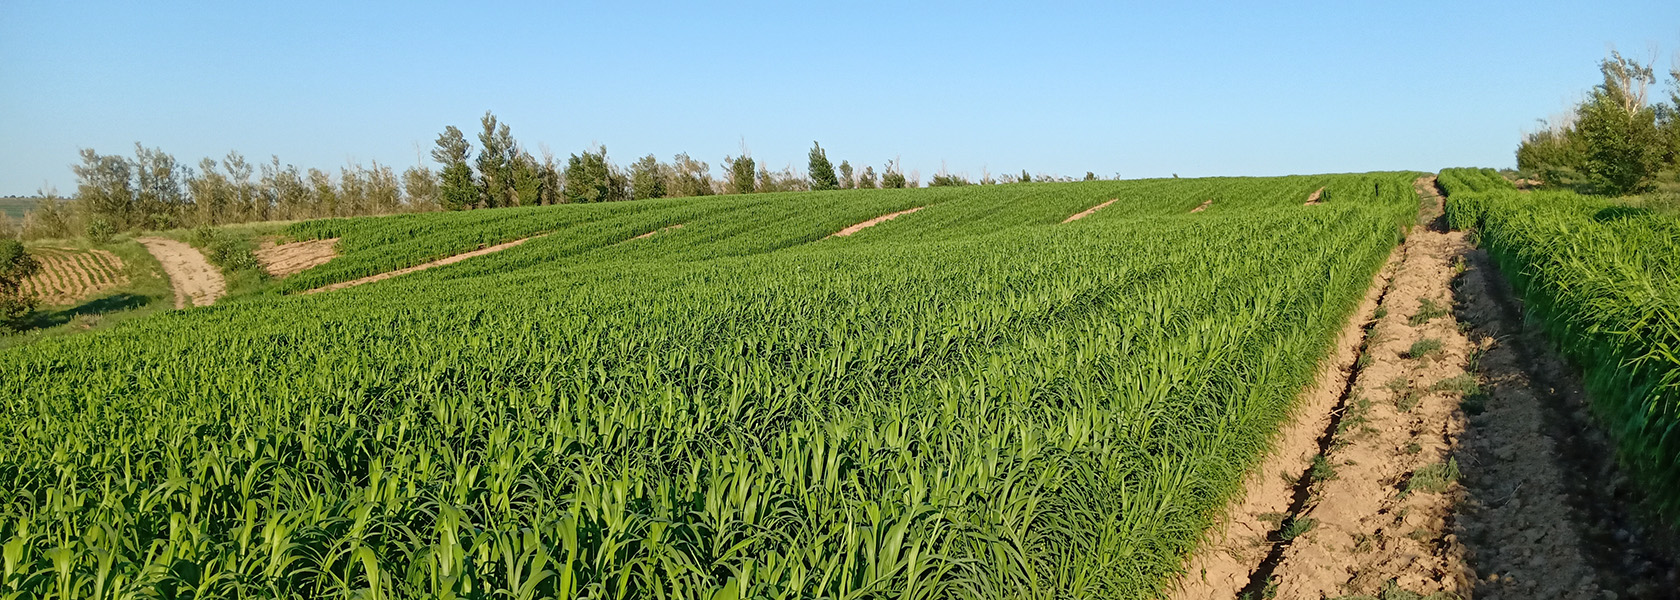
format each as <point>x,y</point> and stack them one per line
<point>972,400</point>
<point>68,275</point>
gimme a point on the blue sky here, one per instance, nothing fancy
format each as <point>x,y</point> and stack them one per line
<point>1139,90</point>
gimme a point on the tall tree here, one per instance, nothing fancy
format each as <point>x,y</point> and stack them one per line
<point>590,178</point>
<point>847,178</point>
<point>526,178</point>
<point>743,174</point>
<point>1620,128</point>
<point>866,180</point>
<point>16,265</point>
<point>104,190</point>
<point>647,178</point>
<point>495,164</point>
<point>892,178</point>
<point>822,172</point>
<point>456,188</point>
<point>689,177</point>
<point>420,185</point>
<point>552,180</point>
<point>160,198</point>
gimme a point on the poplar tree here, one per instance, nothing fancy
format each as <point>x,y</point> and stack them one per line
<point>456,188</point>
<point>743,174</point>
<point>647,178</point>
<point>847,180</point>
<point>821,171</point>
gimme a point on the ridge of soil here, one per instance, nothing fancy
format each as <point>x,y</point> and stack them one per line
<point>1382,509</point>
<point>873,222</point>
<point>281,260</point>
<point>1314,198</point>
<point>1089,211</point>
<point>196,283</point>
<point>1235,551</point>
<point>1203,207</point>
<point>660,230</point>
<point>421,267</point>
<point>69,275</point>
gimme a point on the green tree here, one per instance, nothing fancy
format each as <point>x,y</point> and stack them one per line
<point>420,186</point>
<point>16,265</point>
<point>527,179</point>
<point>848,179</point>
<point>689,177</point>
<point>590,178</point>
<point>104,188</point>
<point>647,178</point>
<point>892,177</point>
<point>456,188</point>
<point>822,172</point>
<point>1624,149</point>
<point>743,174</point>
<point>160,198</point>
<point>495,165</point>
<point>866,180</point>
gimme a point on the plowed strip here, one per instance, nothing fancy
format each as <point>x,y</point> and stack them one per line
<point>69,275</point>
<point>662,229</point>
<point>436,263</point>
<point>1313,199</point>
<point>873,222</point>
<point>1088,212</point>
<point>1203,207</point>
<point>196,283</point>
<point>296,257</point>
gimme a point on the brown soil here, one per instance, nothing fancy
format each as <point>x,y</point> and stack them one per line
<point>660,230</point>
<point>873,222</point>
<point>1314,198</point>
<point>436,263</point>
<point>1235,551</point>
<point>196,283</point>
<point>69,275</point>
<point>1088,212</point>
<point>1381,508</point>
<point>286,259</point>
<point>1203,207</point>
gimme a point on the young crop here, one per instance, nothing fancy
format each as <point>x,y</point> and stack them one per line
<point>970,401</point>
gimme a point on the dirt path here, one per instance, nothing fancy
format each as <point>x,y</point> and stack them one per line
<point>1248,540</point>
<point>436,263</point>
<point>660,230</point>
<point>1203,207</point>
<point>196,283</point>
<point>1314,198</point>
<point>873,222</point>
<point>287,259</point>
<point>1383,496</point>
<point>1089,211</point>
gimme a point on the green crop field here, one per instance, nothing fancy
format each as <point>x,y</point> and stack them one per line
<point>15,207</point>
<point>1601,274</point>
<point>971,401</point>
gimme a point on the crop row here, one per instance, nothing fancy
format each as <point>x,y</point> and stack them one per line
<point>1603,275</point>
<point>970,401</point>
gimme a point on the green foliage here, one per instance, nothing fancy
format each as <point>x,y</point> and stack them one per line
<point>968,401</point>
<point>647,178</point>
<point>591,178</point>
<point>1602,277</point>
<point>1424,348</point>
<point>743,175</point>
<point>821,171</point>
<point>948,180</point>
<point>1428,310</point>
<point>892,177</point>
<point>1434,478</point>
<point>16,265</point>
<point>848,176</point>
<point>457,189</point>
<point>100,230</point>
<point>866,179</point>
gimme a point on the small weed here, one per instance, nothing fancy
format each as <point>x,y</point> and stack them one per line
<point>1435,478</point>
<point>1397,385</point>
<point>1424,348</point>
<point>1363,361</point>
<point>1322,470</point>
<point>1463,384</point>
<point>1382,311</point>
<point>1459,266</point>
<point>1413,448</point>
<point>1428,310</point>
<point>1419,535</point>
<point>1474,404</point>
<point>1275,519</point>
<point>1409,400</point>
<point>1295,528</point>
<point>1354,421</point>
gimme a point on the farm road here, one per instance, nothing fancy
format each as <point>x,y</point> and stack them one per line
<point>196,282</point>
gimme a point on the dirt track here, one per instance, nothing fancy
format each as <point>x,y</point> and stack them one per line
<point>1089,211</point>
<point>287,259</point>
<point>1461,462</point>
<point>873,222</point>
<point>196,283</point>
<point>436,263</point>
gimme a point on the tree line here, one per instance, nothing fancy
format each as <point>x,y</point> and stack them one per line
<point>1615,141</point>
<point>150,189</point>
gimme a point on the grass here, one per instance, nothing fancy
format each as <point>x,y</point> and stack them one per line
<point>1428,310</point>
<point>1424,349</point>
<point>1322,469</point>
<point>1434,478</point>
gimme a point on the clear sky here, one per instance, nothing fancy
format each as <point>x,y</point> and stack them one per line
<point>1139,90</point>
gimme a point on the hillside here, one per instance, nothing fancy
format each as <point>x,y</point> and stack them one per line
<point>17,206</point>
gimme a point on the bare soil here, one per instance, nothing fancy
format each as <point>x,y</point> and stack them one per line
<point>287,259</point>
<point>1314,198</point>
<point>1089,211</point>
<point>69,275</point>
<point>196,282</point>
<point>1203,207</point>
<point>660,230</point>
<point>1461,462</point>
<point>873,222</point>
<point>436,263</point>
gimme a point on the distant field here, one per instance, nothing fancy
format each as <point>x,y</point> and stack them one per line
<point>15,207</point>
<point>974,400</point>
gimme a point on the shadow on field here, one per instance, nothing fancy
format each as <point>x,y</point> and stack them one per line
<point>92,308</point>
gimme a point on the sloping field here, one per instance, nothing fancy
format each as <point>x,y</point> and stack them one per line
<point>69,275</point>
<point>971,400</point>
